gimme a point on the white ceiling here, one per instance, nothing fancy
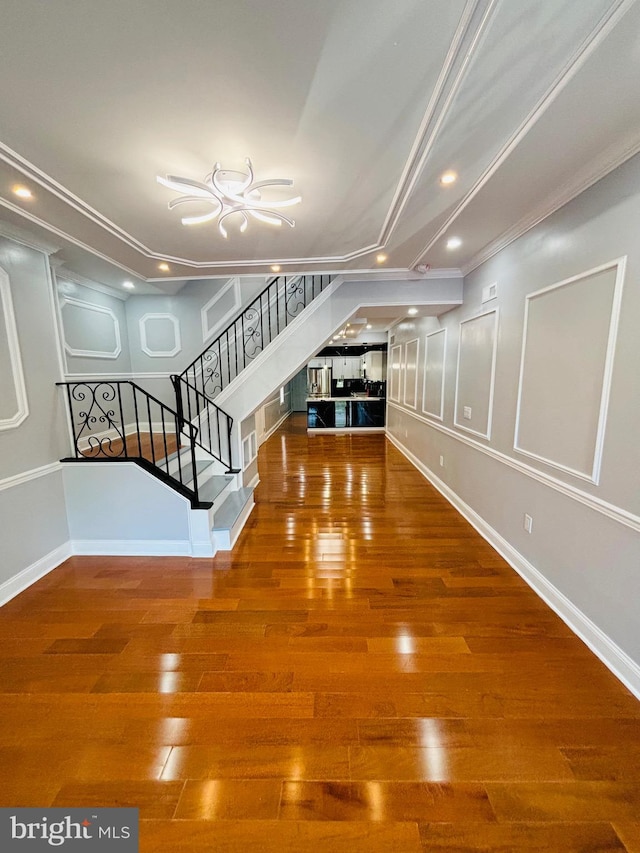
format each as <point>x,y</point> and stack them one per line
<point>363,103</point>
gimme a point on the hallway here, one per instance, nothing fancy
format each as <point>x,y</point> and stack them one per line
<point>362,673</point>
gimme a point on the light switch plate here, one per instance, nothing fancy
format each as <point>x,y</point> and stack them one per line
<point>466,412</point>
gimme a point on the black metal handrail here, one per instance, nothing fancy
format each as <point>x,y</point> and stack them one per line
<point>118,421</point>
<point>257,325</point>
<point>214,424</point>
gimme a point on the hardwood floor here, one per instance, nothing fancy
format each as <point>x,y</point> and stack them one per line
<point>362,673</point>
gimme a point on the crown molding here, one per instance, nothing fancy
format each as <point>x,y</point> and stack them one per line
<point>64,274</point>
<point>587,177</point>
<point>24,237</point>
<point>606,24</point>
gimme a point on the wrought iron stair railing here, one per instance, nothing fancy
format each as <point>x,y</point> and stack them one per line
<point>117,421</point>
<point>259,323</point>
<point>214,428</point>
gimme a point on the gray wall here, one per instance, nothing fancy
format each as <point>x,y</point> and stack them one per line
<point>32,509</point>
<point>585,505</point>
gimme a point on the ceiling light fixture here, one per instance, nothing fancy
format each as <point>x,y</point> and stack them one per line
<point>448,178</point>
<point>381,258</point>
<point>128,284</point>
<point>164,266</point>
<point>231,193</point>
<point>412,311</point>
<point>22,192</point>
<point>368,325</point>
<point>275,267</point>
<point>454,243</point>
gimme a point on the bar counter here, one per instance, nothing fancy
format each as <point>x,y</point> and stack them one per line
<point>340,414</point>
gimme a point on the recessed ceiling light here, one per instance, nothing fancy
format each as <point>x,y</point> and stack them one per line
<point>381,258</point>
<point>164,266</point>
<point>368,325</point>
<point>22,192</point>
<point>448,178</point>
<point>454,243</point>
<point>412,311</point>
<point>276,267</point>
<point>128,284</point>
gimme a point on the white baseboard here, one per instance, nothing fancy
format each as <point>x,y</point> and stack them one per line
<point>613,657</point>
<point>24,579</point>
<point>132,547</point>
<point>226,539</point>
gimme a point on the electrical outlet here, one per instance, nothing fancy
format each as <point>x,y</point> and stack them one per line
<point>528,523</point>
<point>466,412</point>
<point>442,461</point>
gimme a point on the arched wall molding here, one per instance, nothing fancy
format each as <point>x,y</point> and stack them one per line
<point>15,358</point>
<point>144,343</point>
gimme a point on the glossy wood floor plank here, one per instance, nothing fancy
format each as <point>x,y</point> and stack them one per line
<point>362,673</point>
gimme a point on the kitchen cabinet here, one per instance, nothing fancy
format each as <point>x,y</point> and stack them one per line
<point>374,364</point>
<point>347,367</point>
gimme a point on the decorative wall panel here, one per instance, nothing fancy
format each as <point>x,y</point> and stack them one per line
<point>13,393</point>
<point>395,372</point>
<point>411,374</point>
<point>434,363</point>
<point>475,374</point>
<point>160,335</point>
<point>568,347</point>
<point>220,309</point>
<point>90,331</point>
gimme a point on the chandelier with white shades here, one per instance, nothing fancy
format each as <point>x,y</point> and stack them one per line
<point>231,193</point>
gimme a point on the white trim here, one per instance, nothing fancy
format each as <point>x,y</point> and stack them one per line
<point>144,346</point>
<point>253,484</point>
<point>594,476</point>
<point>406,361</point>
<point>605,25</point>
<point>98,309</point>
<point>27,476</point>
<point>439,417</point>
<point>578,184</point>
<point>25,578</point>
<point>492,381</point>
<point>132,547</point>
<point>622,516</point>
<point>26,238</point>
<point>390,368</point>
<point>209,331</point>
<point>63,274</point>
<point>279,423</point>
<point>15,358</point>
<point>614,658</point>
<point>249,449</point>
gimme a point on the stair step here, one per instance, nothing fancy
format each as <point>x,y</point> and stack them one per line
<point>187,470</point>
<point>213,487</point>
<point>231,509</point>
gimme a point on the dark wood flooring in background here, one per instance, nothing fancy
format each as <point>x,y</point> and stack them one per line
<point>362,673</point>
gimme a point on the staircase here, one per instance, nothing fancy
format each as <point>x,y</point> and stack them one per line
<point>189,448</point>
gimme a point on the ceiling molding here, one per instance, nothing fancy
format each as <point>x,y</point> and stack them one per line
<point>64,274</point>
<point>572,189</point>
<point>421,149</point>
<point>606,24</point>
<point>24,237</point>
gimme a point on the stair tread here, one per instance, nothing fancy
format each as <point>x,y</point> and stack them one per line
<point>228,513</point>
<point>187,470</point>
<point>213,487</point>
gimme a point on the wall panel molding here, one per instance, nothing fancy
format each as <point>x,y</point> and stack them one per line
<point>609,327</point>
<point>412,354</point>
<point>613,657</point>
<point>209,329</point>
<point>464,325</point>
<point>27,476</point>
<point>395,368</point>
<point>622,516</point>
<point>439,414</point>
<point>15,359</point>
<point>144,343</point>
<point>98,309</point>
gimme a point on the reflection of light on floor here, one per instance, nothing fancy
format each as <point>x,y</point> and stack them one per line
<point>367,528</point>
<point>168,682</point>
<point>375,796</point>
<point>405,644</point>
<point>169,662</point>
<point>434,755</point>
<point>172,730</point>
<point>209,799</point>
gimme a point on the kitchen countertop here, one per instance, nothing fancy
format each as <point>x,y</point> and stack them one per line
<point>358,399</point>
